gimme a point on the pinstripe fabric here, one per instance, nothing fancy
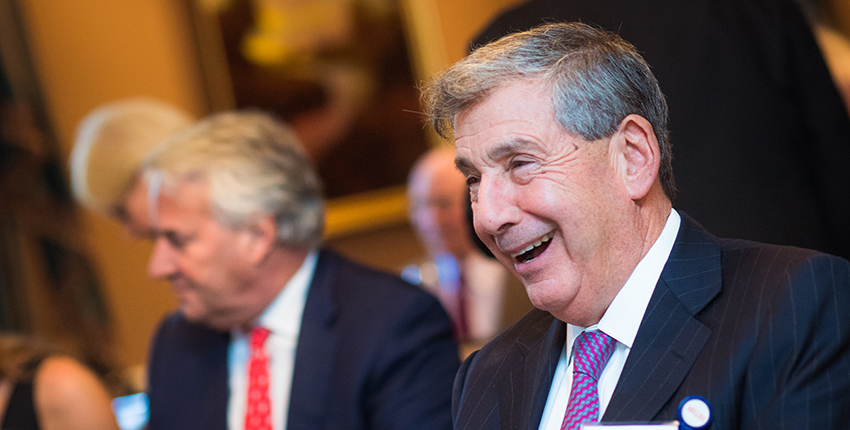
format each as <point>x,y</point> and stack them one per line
<point>517,366</point>
<point>761,331</point>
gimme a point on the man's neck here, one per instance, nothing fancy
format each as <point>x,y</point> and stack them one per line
<point>641,233</point>
<point>272,274</point>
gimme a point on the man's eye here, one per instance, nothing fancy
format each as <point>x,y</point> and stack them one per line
<point>472,180</point>
<point>515,163</point>
<point>176,240</point>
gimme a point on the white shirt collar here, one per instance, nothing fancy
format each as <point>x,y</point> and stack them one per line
<point>622,319</point>
<point>283,318</point>
<point>283,315</point>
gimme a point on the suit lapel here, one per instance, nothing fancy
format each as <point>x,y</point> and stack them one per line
<point>670,338</point>
<point>209,367</point>
<point>311,376</point>
<point>531,366</point>
<point>214,415</point>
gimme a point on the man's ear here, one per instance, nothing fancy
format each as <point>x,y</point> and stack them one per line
<point>641,155</point>
<point>260,238</point>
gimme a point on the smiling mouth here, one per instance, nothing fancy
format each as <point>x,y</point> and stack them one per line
<point>534,250</point>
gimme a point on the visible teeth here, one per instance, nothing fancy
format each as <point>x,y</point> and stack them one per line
<point>545,238</point>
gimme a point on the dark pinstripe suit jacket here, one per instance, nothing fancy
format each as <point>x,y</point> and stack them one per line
<point>761,331</point>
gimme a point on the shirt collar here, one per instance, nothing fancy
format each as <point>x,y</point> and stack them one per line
<point>283,315</point>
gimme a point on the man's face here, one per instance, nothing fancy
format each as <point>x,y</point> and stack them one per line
<point>438,208</point>
<point>204,261</point>
<point>548,204</point>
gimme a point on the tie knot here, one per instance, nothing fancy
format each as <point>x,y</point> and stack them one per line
<point>258,337</point>
<point>592,351</point>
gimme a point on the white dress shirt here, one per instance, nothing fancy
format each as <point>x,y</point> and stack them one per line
<point>283,319</point>
<point>620,321</point>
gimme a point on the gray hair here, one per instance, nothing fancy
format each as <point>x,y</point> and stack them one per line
<point>254,165</point>
<point>596,80</point>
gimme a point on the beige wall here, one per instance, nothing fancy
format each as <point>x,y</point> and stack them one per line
<point>89,52</point>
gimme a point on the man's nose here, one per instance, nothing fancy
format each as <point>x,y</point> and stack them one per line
<point>161,263</point>
<point>494,209</point>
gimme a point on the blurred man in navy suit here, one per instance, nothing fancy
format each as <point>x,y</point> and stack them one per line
<point>236,214</point>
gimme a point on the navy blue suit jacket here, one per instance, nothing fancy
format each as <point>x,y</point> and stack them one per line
<point>374,353</point>
<point>761,331</point>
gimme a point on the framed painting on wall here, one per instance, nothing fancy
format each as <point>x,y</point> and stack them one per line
<point>340,73</point>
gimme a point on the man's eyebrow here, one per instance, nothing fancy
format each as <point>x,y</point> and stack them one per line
<point>505,148</point>
<point>463,165</point>
<point>501,150</point>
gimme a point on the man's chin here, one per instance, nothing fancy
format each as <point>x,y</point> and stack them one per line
<point>544,295</point>
<point>206,321</point>
<point>193,315</point>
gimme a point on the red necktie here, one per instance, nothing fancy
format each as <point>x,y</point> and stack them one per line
<point>258,414</point>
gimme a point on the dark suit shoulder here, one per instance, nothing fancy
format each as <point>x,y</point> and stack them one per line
<point>356,272</point>
<point>175,331</point>
<point>782,282</point>
<point>390,354</point>
<point>357,287</point>
<point>187,376</point>
<point>779,264</point>
<point>516,366</point>
<point>779,338</point>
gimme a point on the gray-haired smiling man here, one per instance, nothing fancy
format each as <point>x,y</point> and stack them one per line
<point>561,133</point>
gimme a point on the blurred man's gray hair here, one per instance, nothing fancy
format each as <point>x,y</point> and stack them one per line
<point>254,166</point>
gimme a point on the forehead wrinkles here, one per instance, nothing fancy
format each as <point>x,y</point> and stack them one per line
<point>495,136</point>
<point>498,147</point>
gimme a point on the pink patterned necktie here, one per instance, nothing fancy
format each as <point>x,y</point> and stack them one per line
<point>592,351</point>
<point>258,412</point>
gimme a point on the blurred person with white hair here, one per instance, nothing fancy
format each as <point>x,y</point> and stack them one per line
<point>273,330</point>
<point>111,143</point>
